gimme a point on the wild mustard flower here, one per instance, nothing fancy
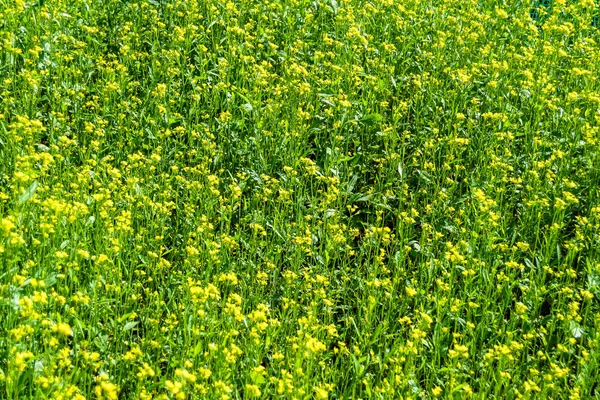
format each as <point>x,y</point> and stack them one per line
<point>274,199</point>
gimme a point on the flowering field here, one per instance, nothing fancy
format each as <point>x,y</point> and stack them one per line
<point>299,199</point>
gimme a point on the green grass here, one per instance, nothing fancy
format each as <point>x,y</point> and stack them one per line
<point>299,199</point>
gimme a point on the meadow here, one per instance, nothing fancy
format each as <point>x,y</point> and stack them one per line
<point>299,199</point>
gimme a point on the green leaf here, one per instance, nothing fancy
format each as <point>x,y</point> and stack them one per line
<point>50,280</point>
<point>371,119</point>
<point>401,171</point>
<point>28,193</point>
<point>576,329</point>
<point>198,348</point>
<point>130,325</point>
<point>257,378</point>
<point>365,198</point>
<point>124,317</point>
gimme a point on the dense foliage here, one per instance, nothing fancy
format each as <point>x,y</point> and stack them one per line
<point>293,199</point>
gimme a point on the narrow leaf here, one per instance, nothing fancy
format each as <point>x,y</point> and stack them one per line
<point>29,192</point>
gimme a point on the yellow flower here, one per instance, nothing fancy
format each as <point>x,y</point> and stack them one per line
<point>105,389</point>
<point>64,329</point>
<point>252,390</point>
<point>175,388</point>
<point>21,359</point>
<point>321,394</point>
<point>7,225</point>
